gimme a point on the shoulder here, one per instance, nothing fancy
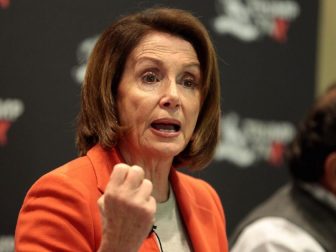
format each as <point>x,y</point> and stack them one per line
<point>55,207</point>
<point>200,191</point>
<point>76,177</point>
<point>79,168</point>
<point>198,186</point>
<point>271,233</point>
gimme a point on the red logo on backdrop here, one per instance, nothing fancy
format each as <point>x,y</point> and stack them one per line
<point>4,127</point>
<point>10,110</point>
<point>276,154</point>
<point>4,4</point>
<point>280,30</point>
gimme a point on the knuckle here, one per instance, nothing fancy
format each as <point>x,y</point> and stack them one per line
<point>120,166</point>
<point>147,183</point>
<point>137,169</point>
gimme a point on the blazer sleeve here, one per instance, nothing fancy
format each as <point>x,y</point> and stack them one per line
<point>56,215</point>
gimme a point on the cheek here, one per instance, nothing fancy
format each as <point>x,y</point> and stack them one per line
<point>192,115</point>
<point>194,109</point>
<point>134,110</point>
<point>126,110</point>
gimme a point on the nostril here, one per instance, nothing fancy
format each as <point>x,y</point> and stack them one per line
<point>170,103</point>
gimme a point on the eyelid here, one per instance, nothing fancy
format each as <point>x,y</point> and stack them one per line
<point>192,76</point>
<point>154,70</point>
<point>147,72</point>
<point>195,74</point>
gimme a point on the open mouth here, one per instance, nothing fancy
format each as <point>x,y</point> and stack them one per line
<point>166,126</point>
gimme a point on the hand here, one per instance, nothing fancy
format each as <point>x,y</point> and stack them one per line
<point>127,209</point>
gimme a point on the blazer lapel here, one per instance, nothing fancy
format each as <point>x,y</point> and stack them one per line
<point>103,162</point>
<point>198,220</point>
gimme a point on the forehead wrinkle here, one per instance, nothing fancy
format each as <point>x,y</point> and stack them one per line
<point>152,46</point>
<point>158,56</point>
<point>155,46</point>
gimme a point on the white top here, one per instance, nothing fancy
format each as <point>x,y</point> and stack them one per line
<point>169,227</point>
<point>276,234</point>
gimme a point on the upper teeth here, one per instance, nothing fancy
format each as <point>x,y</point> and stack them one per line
<point>165,127</point>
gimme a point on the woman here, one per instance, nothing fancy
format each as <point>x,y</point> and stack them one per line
<point>150,104</point>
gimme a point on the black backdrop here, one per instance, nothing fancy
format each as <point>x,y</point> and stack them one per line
<point>266,50</point>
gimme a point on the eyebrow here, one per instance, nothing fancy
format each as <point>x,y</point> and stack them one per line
<point>140,59</point>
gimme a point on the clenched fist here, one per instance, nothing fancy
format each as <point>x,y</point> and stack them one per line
<point>127,209</point>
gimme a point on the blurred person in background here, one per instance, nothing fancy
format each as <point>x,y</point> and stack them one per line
<point>300,216</point>
<point>150,105</point>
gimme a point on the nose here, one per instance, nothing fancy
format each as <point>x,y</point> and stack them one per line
<point>170,97</point>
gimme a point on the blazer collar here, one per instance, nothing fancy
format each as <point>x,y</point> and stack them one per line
<point>103,162</point>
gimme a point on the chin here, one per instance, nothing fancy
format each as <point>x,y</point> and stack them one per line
<point>165,150</point>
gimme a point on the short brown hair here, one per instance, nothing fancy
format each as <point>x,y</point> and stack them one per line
<point>98,116</point>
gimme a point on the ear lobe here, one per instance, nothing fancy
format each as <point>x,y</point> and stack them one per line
<point>330,172</point>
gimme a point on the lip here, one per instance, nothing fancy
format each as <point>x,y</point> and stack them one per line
<point>168,121</point>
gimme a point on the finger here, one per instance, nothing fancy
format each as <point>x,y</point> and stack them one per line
<point>152,205</point>
<point>145,189</point>
<point>119,174</point>
<point>134,177</point>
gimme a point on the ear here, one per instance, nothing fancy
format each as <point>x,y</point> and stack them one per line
<point>329,177</point>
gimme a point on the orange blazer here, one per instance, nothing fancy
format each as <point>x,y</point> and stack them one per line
<point>60,211</point>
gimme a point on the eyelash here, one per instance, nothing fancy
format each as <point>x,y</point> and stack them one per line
<point>191,82</point>
<point>149,74</point>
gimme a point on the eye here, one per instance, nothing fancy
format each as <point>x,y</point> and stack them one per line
<point>189,82</point>
<point>150,77</point>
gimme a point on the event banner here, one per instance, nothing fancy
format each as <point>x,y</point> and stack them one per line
<point>266,52</point>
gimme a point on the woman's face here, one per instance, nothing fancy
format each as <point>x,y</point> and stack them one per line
<point>159,96</point>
